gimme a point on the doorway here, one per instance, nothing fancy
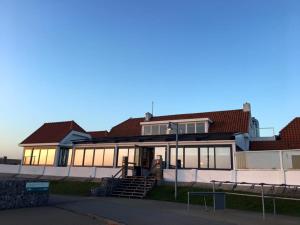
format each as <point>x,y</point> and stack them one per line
<point>147,157</point>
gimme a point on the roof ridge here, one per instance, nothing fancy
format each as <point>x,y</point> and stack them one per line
<point>65,121</point>
<point>182,114</point>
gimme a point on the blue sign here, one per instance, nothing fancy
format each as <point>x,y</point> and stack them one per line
<point>37,186</point>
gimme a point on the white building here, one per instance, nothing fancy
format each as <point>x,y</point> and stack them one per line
<point>222,145</point>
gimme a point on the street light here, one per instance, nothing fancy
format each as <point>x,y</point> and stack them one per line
<point>174,126</point>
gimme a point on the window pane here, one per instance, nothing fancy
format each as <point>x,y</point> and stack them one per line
<point>211,158</point>
<point>191,158</point>
<point>147,130</point>
<point>98,160</point>
<point>155,129</point>
<point>35,157</point>
<point>50,157</point>
<point>181,128</point>
<point>78,159</point>
<point>173,156</point>
<point>131,155</point>
<point>70,157</point>
<point>223,158</point>
<point>43,157</point>
<point>88,157</point>
<point>190,128</point>
<point>200,128</point>
<point>203,158</point>
<point>122,153</point>
<point>109,157</point>
<point>160,151</point>
<point>27,156</point>
<point>163,129</point>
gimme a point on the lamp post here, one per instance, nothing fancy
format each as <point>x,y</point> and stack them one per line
<point>174,126</point>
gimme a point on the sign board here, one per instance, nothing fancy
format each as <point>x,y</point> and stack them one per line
<point>37,186</point>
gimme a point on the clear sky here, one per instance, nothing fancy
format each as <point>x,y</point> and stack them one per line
<point>101,62</point>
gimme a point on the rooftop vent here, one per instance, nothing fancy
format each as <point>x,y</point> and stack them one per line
<point>246,107</point>
<point>148,116</point>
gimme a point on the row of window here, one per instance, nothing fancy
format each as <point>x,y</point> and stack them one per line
<point>94,157</point>
<point>39,157</point>
<point>183,128</point>
<point>198,157</point>
<point>202,157</point>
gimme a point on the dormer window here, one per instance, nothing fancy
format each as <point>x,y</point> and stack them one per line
<point>188,126</point>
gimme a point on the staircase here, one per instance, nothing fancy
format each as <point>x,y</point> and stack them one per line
<point>134,186</point>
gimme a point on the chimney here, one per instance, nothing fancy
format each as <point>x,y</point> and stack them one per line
<point>148,116</point>
<point>246,107</point>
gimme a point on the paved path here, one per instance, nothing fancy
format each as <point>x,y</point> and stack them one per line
<point>149,212</point>
<point>46,216</point>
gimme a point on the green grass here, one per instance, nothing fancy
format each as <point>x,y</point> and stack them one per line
<point>72,187</point>
<point>285,207</point>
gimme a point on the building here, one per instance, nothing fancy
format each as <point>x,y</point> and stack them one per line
<point>221,145</point>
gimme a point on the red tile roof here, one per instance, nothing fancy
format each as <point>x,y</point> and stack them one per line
<point>289,138</point>
<point>52,132</point>
<point>98,134</point>
<point>231,121</point>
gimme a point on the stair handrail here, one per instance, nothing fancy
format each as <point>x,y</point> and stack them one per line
<point>148,175</point>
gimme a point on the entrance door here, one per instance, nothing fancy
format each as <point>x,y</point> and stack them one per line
<point>147,157</point>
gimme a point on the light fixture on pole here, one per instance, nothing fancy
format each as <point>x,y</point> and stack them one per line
<point>174,126</point>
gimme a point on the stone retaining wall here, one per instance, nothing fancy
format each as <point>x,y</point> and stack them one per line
<point>13,194</point>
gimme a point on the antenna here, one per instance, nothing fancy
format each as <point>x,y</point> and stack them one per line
<point>152,108</point>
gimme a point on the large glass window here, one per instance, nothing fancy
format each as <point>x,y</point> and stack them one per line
<point>98,158</point>
<point>40,157</point>
<point>78,158</point>
<point>147,130</point>
<point>155,129</point>
<point>27,156</point>
<point>191,157</point>
<point>70,157</point>
<point>163,129</point>
<point>173,156</point>
<point>43,157</point>
<point>223,157</point>
<point>123,152</point>
<point>35,157</point>
<point>88,157</point>
<point>203,157</point>
<point>160,151</point>
<point>211,157</point>
<point>109,157</point>
<point>218,157</point>
<point>182,128</point>
<point>50,157</point>
<point>200,128</point>
<point>131,155</point>
<point>190,128</point>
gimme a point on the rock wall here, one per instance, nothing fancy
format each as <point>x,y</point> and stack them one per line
<point>13,194</point>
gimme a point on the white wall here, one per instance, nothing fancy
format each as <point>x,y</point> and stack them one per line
<point>32,170</point>
<point>9,169</point>
<point>292,177</point>
<point>194,175</point>
<point>260,176</point>
<point>56,171</point>
<point>82,172</point>
<point>106,172</point>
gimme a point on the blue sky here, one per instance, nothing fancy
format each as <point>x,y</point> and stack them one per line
<point>101,62</point>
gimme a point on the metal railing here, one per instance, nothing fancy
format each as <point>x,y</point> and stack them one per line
<point>262,195</point>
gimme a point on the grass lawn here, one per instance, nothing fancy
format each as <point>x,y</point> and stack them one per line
<point>72,187</point>
<point>166,193</point>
